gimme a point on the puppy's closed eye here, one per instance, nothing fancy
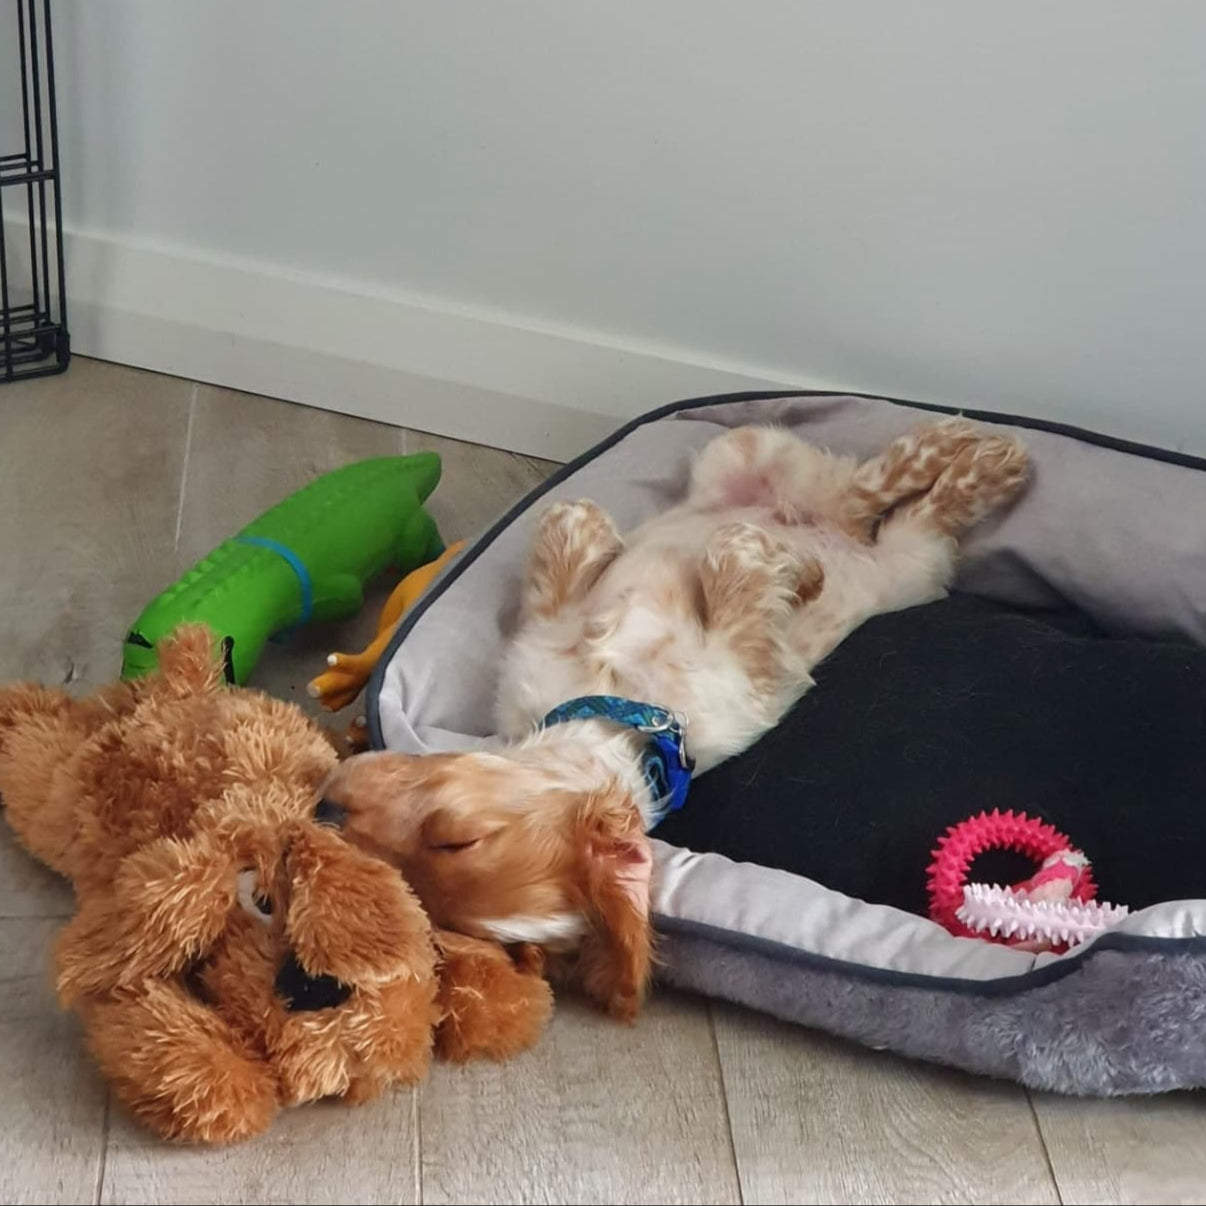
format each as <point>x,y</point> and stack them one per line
<point>453,847</point>
<point>448,832</point>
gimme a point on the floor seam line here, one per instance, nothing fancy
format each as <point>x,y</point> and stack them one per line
<point>1038,1127</point>
<point>103,1164</point>
<point>188,448</point>
<point>724,1100</point>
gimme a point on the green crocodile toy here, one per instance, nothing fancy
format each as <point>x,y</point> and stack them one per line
<point>308,558</point>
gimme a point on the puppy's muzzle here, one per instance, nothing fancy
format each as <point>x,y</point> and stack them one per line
<point>327,812</point>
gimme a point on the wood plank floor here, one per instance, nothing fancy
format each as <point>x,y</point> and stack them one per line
<point>114,480</point>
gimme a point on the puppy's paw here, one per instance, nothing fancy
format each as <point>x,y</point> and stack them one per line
<point>940,442</point>
<point>574,543</point>
<point>742,556</point>
<point>985,477</point>
<point>908,467</point>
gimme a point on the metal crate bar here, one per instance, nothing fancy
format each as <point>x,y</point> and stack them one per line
<point>34,339</point>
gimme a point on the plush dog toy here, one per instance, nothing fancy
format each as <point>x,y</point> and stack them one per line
<point>230,954</point>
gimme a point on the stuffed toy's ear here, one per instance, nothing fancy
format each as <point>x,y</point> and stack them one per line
<point>170,901</point>
<point>26,703</point>
<point>41,729</point>
<point>350,915</point>
<point>616,956</point>
<point>190,662</point>
<point>494,1003</point>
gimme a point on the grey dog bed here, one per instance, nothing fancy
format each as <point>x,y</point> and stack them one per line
<point>1115,530</point>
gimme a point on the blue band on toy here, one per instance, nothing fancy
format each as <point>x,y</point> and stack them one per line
<point>295,564</point>
<point>667,766</point>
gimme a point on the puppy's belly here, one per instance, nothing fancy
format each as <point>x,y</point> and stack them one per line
<point>639,633</point>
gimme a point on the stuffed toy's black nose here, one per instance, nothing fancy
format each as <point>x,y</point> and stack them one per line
<point>327,812</point>
<point>304,993</point>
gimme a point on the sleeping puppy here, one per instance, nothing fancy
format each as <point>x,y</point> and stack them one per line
<point>642,659</point>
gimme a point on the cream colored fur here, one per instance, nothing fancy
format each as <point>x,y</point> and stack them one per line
<point>763,508</point>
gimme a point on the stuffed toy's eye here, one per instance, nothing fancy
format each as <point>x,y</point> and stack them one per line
<point>251,899</point>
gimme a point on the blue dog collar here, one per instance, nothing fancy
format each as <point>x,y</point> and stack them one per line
<point>666,765</point>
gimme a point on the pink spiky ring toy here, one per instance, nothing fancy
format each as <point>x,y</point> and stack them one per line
<point>1053,910</point>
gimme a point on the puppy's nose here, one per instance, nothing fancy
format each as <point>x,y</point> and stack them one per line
<point>327,812</point>
<point>304,993</point>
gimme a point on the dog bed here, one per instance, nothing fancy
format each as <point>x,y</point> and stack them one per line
<point>1065,676</point>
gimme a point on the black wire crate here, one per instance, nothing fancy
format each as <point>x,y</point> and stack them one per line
<point>34,340</point>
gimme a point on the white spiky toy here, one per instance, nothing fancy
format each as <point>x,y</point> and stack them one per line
<point>1008,913</point>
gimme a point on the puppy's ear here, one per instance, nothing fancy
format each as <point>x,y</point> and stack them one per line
<point>616,956</point>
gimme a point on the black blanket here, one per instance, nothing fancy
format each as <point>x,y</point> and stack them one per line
<point>928,716</point>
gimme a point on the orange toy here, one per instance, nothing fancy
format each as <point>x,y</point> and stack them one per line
<point>230,954</point>
<point>348,673</point>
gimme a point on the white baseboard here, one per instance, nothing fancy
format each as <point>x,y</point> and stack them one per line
<point>339,346</point>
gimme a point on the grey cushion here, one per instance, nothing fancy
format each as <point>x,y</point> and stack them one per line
<point>1115,530</point>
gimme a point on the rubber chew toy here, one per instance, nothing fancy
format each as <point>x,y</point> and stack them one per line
<point>1012,914</point>
<point>339,686</point>
<point>307,558</point>
<point>1052,910</point>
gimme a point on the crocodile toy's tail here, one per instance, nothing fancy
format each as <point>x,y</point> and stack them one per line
<point>348,673</point>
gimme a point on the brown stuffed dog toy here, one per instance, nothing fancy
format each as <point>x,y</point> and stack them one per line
<point>231,955</point>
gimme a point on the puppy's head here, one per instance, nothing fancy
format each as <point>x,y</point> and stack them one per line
<point>514,851</point>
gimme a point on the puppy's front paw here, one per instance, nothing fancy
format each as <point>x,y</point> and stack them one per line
<point>577,527</point>
<point>575,542</point>
<point>746,567</point>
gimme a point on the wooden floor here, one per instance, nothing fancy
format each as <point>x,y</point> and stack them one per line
<point>111,482</point>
